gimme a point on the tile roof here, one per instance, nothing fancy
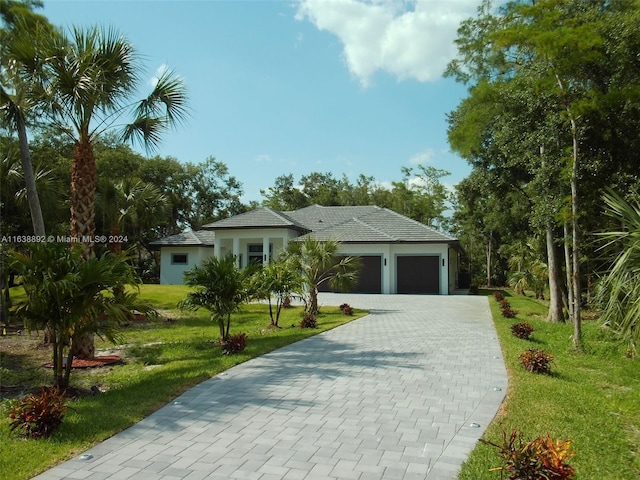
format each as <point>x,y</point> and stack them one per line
<point>377,225</point>
<point>260,218</point>
<point>358,224</point>
<point>203,238</point>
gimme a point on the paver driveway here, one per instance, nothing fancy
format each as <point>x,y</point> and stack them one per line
<point>403,393</point>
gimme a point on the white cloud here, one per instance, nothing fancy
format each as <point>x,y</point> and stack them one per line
<point>408,39</point>
<point>425,156</point>
<point>264,158</point>
<point>161,70</point>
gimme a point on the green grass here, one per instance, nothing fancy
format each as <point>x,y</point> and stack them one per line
<point>591,398</point>
<point>183,354</point>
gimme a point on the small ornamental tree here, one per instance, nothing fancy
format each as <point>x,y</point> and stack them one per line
<point>71,296</point>
<point>220,287</point>
<point>277,279</point>
<point>318,263</point>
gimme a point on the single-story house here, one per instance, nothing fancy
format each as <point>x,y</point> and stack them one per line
<point>398,254</point>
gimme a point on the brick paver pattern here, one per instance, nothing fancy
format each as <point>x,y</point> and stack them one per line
<point>403,393</point>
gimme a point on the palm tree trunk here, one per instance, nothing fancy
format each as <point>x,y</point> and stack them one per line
<point>30,181</point>
<point>83,194</point>
<point>83,226</point>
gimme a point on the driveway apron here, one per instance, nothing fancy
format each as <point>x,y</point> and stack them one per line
<point>403,393</point>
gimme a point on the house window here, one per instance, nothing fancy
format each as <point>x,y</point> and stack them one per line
<point>179,259</point>
<point>256,254</point>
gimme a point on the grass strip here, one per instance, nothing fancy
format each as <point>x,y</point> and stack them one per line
<point>591,398</point>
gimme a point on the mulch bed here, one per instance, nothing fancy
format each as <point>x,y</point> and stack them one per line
<point>100,361</point>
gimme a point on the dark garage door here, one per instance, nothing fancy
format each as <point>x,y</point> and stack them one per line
<point>369,278</point>
<point>418,274</point>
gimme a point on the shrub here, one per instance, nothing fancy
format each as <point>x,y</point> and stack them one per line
<point>536,361</point>
<point>308,321</point>
<point>522,330</point>
<point>542,458</point>
<point>504,304</point>
<point>38,415</point>
<point>346,309</point>
<point>235,344</point>
<point>499,296</point>
<point>509,313</point>
<point>286,302</point>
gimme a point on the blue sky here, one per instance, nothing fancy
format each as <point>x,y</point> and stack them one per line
<point>292,87</point>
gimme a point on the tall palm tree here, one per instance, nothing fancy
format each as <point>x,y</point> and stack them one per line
<point>88,86</point>
<point>20,66</point>
<point>92,77</point>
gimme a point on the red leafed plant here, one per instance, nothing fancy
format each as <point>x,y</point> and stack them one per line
<point>38,414</point>
<point>522,330</point>
<point>346,309</point>
<point>541,459</point>
<point>536,361</point>
<point>309,321</point>
<point>498,295</point>
<point>235,344</point>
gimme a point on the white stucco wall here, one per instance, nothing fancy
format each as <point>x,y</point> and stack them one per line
<point>173,274</point>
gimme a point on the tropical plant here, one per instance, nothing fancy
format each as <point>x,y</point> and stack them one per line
<point>89,82</point>
<point>71,296</point>
<point>38,415</point>
<point>129,201</point>
<point>235,344</point>
<point>277,279</point>
<point>541,458</point>
<point>536,360</point>
<point>86,87</point>
<point>318,263</point>
<point>220,287</point>
<point>23,31</point>
<point>522,330</point>
<point>618,291</point>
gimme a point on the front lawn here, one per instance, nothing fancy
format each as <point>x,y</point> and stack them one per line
<point>590,398</point>
<point>161,360</point>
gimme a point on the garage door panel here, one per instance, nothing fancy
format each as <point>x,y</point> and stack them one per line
<point>418,274</point>
<point>369,277</point>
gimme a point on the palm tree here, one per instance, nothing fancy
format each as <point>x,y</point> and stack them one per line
<point>318,263</point>
<point>20,67</point>
<point>69,296</point>
<point>220,287</point>
<point>90,81</point>
<point>87,87</point>
<point>279,279</point>
<point>618,290</point>
<point>130,201</point>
